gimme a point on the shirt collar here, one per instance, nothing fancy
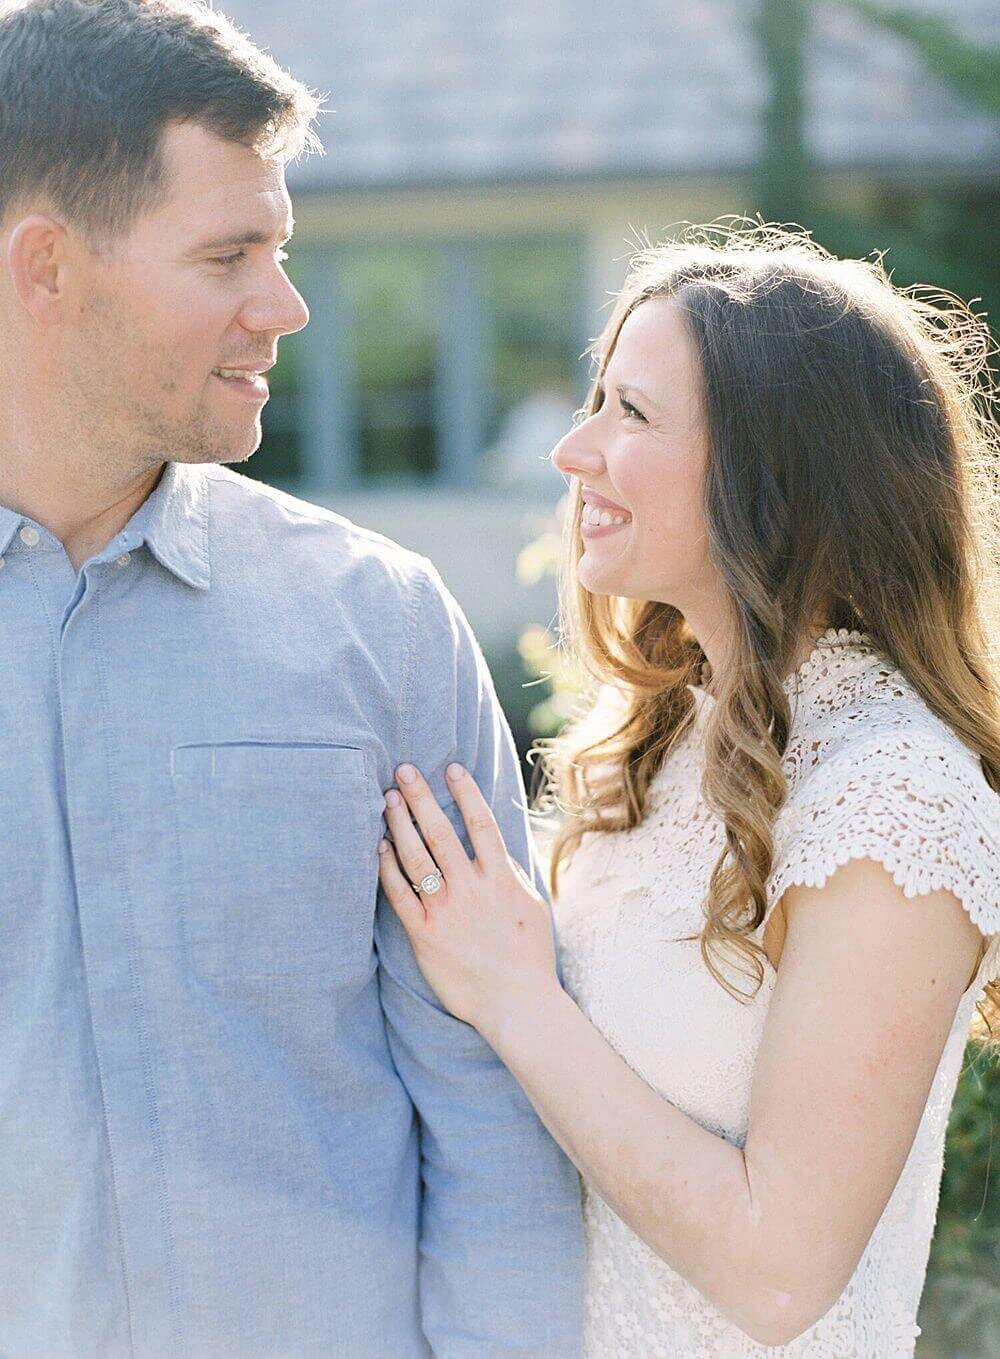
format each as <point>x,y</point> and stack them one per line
<point>172,521</point>
<point>9,522</point>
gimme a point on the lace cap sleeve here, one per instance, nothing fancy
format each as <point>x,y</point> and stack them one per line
<point>911,799</point>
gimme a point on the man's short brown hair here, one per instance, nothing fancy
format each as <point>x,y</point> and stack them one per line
<point>88,86</point>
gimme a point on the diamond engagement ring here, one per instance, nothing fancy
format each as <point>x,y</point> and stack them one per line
<point>428,885</point>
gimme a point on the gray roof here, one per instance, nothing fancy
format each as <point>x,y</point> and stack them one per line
<point>432,92</point>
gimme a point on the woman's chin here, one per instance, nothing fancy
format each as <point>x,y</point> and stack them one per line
<point>599,578</point>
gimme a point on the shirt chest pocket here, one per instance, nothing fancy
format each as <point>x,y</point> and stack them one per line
<point>277,858</point>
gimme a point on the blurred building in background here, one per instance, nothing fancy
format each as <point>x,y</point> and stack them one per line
<point>486,169</point>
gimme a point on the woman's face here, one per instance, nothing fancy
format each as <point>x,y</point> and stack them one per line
<point>645,449</point>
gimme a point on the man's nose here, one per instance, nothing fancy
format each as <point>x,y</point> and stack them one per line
<point>295,311</point>
<point>280,308</point>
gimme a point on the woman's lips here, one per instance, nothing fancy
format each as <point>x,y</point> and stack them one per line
<point>602,502</point>
<point>592,501</point>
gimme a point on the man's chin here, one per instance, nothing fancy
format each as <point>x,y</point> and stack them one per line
<point>219,451</point>
<point>242,456</point>
<point>244,448</point>
<point>205,457</point>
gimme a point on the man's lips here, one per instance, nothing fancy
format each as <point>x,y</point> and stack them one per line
<point>247,367</point>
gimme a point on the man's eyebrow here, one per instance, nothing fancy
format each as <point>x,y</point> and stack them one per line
<point>249,236</point>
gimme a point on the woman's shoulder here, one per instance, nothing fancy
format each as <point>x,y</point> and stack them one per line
<point>874,772</point>
<point>861,709</point>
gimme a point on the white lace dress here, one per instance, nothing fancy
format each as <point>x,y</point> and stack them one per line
<point>873,773</point>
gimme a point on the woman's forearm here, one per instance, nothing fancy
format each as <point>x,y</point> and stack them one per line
<point>683,1190</point>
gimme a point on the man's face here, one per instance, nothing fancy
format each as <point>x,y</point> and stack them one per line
<point>184,294</point>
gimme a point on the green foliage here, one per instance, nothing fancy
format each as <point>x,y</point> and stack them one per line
<point>972,69</point>
<point>972,1240</point>
<point>960,1308</point>
<point>550,670</point>
<point>782,30</point>
<point>530,289</point>
<point>944,233</point>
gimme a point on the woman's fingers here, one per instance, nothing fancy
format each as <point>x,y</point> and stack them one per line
<point>437,844</point>
<point>400,895</point>
<point>413,856</point>
<point>484,834</point>
<point>439,835</point>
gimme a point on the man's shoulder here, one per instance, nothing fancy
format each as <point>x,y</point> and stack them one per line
<point>242,507</point>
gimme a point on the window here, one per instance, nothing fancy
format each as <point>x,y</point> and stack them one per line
<point>442,363</point>
<point>535,292</point>
<point>391,295</point>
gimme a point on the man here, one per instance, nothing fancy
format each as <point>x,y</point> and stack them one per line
<point>233,1120</point>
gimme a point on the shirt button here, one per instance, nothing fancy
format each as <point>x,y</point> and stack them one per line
<point>29,535</point>
<point>3,562</point>
<point>124,559</point>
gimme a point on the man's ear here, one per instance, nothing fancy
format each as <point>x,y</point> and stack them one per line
<point>42,257</point>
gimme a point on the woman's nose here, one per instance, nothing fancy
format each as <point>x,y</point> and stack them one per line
<point>573,454</point>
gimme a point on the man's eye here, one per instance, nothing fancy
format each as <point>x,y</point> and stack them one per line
<point>281,255</point>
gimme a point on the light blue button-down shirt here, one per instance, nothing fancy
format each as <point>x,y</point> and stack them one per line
<point>233,1119</point>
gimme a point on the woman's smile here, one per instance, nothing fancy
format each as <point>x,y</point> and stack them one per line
<point>601,516</point>
<point>590,531</point>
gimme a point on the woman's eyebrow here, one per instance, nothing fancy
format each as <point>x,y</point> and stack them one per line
<point>626,387</point>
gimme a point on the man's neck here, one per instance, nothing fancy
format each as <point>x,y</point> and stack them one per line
<point>84,521</point>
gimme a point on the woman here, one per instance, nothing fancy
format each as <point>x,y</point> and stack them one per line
<point>779,896</point>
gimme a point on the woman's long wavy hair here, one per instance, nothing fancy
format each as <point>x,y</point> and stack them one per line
<point>852,476</point>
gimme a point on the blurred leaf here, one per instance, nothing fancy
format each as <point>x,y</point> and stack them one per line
<point>971,69</point>
<point>538,558</point>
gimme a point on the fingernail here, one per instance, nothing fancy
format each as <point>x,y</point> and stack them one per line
<point>455,771</point>
<point>383,846</point>
<point>392,798</point>
<point>406,773</point>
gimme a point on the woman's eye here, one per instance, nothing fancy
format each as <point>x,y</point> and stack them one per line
<point>629,409</point>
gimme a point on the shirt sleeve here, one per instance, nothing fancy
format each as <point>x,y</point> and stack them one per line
<point>913,799</point>
<point>501,1253</point>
